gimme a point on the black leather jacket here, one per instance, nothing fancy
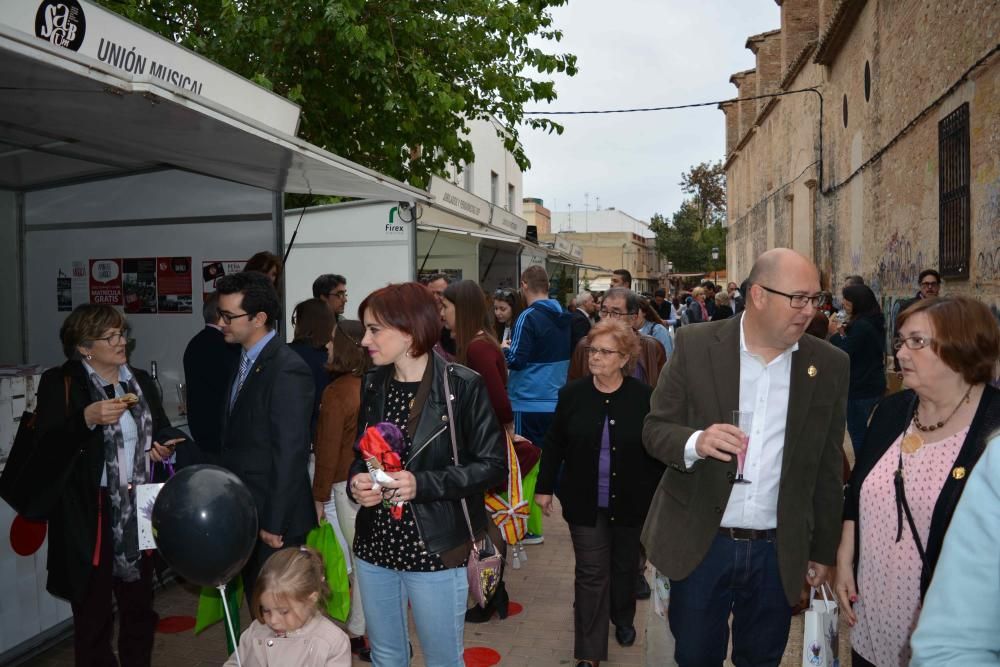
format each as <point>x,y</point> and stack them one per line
<point>440,483</point>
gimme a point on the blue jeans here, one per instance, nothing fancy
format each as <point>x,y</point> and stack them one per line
<point>858,412</point>
<point>438,602</point>
<point>739,577</point>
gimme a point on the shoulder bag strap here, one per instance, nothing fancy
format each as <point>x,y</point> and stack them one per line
<point>903,507</point>
<point>454,445</point>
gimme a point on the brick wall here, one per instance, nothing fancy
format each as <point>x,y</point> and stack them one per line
<point>881,221</point>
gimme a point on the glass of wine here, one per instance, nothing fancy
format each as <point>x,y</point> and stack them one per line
<point>744,422</point>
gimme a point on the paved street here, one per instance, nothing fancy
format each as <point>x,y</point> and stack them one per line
<point>541,635</point>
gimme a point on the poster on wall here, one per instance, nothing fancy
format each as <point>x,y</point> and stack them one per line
<point>213,269</point>
<point>80,283</point>
<point>139,282</point>
<point>106,282</point>
<point>173,281</point>
<point>64,292</point>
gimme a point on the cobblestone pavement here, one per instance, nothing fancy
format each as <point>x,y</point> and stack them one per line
<point>541,635</point>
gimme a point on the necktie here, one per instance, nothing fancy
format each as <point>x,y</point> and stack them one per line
<point>240,377</point>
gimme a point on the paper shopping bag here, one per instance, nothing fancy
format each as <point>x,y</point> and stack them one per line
<point>145,498</point>
<point>821,624</point>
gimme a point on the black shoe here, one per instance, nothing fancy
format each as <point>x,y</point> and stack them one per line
<point>642,591</point>
<point>359,647</point>
<point>625,635</point>
<point>498,604</point>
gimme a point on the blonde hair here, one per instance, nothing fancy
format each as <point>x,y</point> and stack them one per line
<point>293,573</point>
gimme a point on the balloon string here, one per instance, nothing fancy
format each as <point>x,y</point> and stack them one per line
<point>229,624</point>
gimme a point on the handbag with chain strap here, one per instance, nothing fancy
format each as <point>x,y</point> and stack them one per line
<point>485,565</point>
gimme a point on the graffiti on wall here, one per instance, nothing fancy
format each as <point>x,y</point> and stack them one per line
<point>898,265</point>
<point>987,233</point>
<point>988,264</point>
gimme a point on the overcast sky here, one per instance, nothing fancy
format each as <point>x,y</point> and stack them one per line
<point>640,53</point>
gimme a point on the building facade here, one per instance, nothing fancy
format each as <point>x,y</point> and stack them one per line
<point>601,220</point>
<point>888,162</point>
<point>494,174</point>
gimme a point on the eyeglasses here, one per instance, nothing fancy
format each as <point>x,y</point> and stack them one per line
<point>931,285</point>
<point>340,294</point>
<point>616,314</point>
<point>799,301</point>
<point>116,338</point>
<point>228,317</point>
<point>911,342</point>
<point>503,293</point>
<point>601,352</point>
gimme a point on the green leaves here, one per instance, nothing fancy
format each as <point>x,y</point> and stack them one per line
<point>697,226</point>
<point>377,78</point>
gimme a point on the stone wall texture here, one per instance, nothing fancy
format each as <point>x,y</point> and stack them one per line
<point>857,215</point>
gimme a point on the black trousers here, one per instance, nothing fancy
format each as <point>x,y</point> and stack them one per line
<point>93,620</point>
<point>607,563</point>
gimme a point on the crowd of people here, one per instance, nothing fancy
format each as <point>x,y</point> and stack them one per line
<point>703,434</point>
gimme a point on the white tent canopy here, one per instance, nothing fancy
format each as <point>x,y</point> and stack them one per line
<point>68,117</point>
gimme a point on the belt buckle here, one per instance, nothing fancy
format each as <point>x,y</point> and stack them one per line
<point>733,534</point>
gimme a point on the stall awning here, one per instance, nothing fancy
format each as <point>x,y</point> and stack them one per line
<point>67,117</point>
<point>500,238</point>
<point>563,258</point>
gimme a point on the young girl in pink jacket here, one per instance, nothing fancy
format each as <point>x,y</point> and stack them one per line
<point>290,628</point>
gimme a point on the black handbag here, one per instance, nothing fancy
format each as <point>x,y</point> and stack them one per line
<point>31,497</point>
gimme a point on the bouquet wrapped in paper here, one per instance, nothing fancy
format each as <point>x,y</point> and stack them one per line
<point>382,447</point>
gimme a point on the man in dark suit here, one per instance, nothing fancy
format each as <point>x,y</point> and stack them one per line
<point>265,428</point>
<point>209,364</point>
<point>580,318</point>
<point>745,548</point>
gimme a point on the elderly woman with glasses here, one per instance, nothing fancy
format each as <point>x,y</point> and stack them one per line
<point>100,423</point>
<point>607,484</point>
<point>920,447</point>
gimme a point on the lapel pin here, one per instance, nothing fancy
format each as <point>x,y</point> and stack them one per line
<point>958,473</point>
<point>812,371</point>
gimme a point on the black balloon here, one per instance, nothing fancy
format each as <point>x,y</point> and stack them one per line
<point>205,524</point>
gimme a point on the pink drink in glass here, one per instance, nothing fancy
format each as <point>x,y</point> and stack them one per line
<point>744,422</point>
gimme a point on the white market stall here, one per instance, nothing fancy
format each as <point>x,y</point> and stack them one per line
<point>372,243</point>
<point>131,171</point>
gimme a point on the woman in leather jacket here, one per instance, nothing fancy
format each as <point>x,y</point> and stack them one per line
<point>418,558</point>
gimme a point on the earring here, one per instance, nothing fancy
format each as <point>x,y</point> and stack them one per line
<point>89,357</point>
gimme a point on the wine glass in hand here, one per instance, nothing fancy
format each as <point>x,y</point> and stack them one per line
<point>744,422</point>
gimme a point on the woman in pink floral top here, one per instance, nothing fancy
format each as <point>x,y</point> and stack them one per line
<point>904,487</point>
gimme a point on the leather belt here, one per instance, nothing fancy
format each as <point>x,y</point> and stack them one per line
<point>749,534</point>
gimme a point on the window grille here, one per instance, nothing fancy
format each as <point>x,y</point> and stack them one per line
<point>953,189</point>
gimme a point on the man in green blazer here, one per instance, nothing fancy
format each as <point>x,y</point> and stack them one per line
<point>744,548</point>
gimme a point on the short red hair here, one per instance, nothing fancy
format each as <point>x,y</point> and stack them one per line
<point>407,307</point>
<point>966,335</point>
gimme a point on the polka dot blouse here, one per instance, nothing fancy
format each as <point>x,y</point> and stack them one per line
<point>384,541</point>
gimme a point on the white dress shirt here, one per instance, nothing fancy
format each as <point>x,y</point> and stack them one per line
<point>764,391</point>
